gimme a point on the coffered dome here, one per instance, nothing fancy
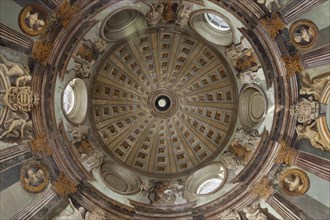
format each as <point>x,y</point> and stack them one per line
<point>163,102</point>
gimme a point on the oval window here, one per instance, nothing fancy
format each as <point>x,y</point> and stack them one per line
<point>216,22</point>
<point>68,98</point>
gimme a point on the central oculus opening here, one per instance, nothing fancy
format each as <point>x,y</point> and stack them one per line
<point>163,103</point>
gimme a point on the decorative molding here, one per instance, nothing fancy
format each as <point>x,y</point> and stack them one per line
<point>273,25</point>
<point>263,189</point>
<point>292,65</point>
<point>41,51</point>
<point>63,186</point>
<point>40,145</point>
<point>286,154</point>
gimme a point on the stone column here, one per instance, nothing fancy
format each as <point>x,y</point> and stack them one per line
<point>297,8</point>
<point>317,57</point>
<point>14,155</point>
<point>286,208</point>
<point>313,164</point>
<point>15,40</point>
<point>36,207</point>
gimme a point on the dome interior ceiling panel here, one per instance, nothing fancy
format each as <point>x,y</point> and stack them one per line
<point>194,123</point>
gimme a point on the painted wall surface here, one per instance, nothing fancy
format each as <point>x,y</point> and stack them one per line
<point>9,11</point>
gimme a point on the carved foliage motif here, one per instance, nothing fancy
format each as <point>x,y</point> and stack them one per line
<point>40,145</point>
<point>286,154</point>
<point>41,51</point>
<point>65,13</point>
<point>263,189</point>
<point>292,65</point>
<point>63,186</point>
<point>273,25</point>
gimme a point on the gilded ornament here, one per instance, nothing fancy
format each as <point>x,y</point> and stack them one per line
<point>294,182</point>
<point>263,189</point>
<point>285,154</point>
<point>33,20</point>
<point>273,25</point>
<point>65,13</point>
<point>34,177</point>
<point>63,186</point>
<point>303,34</point>
<point>292,65</point>
<point>21,98</point>
<point>41,51</point>
<point>40,145</point>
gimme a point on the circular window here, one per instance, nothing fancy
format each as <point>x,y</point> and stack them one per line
<point>207,180</point>
<point>74,101</point>
<point>68,98</point>
<point>216,22</point>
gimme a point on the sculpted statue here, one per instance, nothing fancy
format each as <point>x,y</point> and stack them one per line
<point>9,69</point>
<point>155,14</point>
<point>306,110</point>
<point>230,160</point>
<point>309,132</point>
<point>79,133</point>
<point>93,160</point>
<point>97,214</point>
<point>82,69</point>
<point>78,214</point>
<point>100,45</point>
<point>15,126</point>
<point>247,138</point>
<point>183,15</point>
<point>268,3</point>
<point>314,87</point>
<point>293,183</point>
<point>253,212</point>
<point>229,214</point>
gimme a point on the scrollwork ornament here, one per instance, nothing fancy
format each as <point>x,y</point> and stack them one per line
<point>285,154</point>
<point>306,110</point>
<point>21,98</point>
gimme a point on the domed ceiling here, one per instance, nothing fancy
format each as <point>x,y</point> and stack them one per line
<point>163,102</point>
<point>161,109</point>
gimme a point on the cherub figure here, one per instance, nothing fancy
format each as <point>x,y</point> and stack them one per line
<point>155,14</point>
<point>183,15</point>
<point>314,137</point>
<point>78,214</point>
<point>15,124</point>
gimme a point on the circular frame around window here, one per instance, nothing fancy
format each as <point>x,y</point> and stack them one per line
<point>74,101</point>
<point>216,22</point>
<point>207,180</point>
<point>210,31</point>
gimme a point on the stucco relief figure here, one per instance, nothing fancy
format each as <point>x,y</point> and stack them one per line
<point>77,214</point>
<point>247,138</point>
<point>268,3</point>
<point>82,69</point>
<point>314,86</point>
<point>253,212</point>
<point>97,214</point>
<point>168,193</point>
<point>183,15</point>
<point>229,214</point>
<point>93,160</point>
<point>18,126</point>
<point>33,177</point>
<point>309,132</point>
<point>294,182</point>
<point>10,69</point>
<point>79,133</point>
<point>231,161</point>
<point>155,14</point>
<point>33,20</point>
<point>303,34</point>
<point>100,45</point>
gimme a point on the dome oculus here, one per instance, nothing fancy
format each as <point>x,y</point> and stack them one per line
<point>216,22</point>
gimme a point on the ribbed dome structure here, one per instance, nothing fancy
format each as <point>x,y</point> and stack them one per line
<point>164,102</point>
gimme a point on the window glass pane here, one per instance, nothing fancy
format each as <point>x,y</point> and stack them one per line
<point>68,99</point>
<point>217,22</point>
<point>209,186</point>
